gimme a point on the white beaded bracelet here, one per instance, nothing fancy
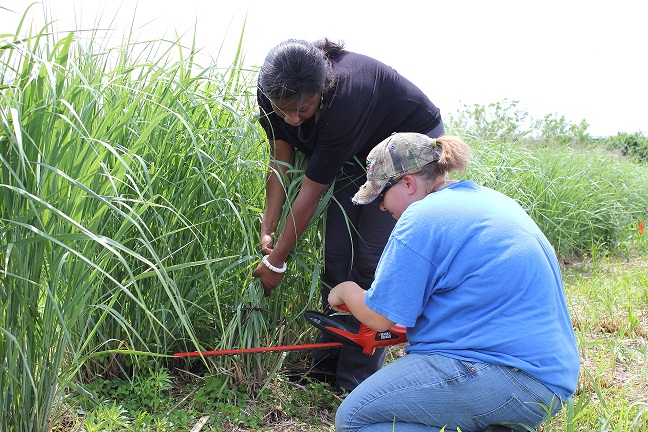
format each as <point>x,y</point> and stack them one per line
<point>271,267</point>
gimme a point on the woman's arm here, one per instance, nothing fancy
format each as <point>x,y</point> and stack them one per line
<point>353,296</point>
<point>280,160</point>
<point>301,213</point>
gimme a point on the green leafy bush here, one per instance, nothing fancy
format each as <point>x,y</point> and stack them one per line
<point>498,121</point>
<point>556,129</point>
<point>505,122</point>
<point>634,145</point>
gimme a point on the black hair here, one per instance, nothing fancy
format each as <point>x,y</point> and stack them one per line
<point>296,68</point>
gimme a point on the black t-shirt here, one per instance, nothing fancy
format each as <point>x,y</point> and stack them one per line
<point>369,102</point>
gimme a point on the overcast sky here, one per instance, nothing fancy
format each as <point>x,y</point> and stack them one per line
<point>584,59</point>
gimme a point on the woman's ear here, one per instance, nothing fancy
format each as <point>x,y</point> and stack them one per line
<point>410,183</point>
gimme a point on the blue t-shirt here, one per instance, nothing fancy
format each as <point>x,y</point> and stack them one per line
<point>472,277</point>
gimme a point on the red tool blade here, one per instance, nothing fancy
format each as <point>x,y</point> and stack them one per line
<point>363,339</point>
<point>258,350</point>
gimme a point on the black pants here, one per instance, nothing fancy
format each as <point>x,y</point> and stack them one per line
<point>354,240</point>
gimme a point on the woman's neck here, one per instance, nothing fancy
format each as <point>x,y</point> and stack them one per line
<point>439,183</point>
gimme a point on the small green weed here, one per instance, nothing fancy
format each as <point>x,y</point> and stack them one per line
<point>212,390</point>
<point>106,419</point>
<point>113,402</point>
<point>150,389</point>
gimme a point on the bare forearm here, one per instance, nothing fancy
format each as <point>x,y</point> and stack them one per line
<point>280,159</point>
<point>275,199</point>
<point>296,223</point>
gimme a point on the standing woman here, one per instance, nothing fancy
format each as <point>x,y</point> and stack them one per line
<point>334,106</point>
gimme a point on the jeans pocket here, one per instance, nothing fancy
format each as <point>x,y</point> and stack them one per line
<point>513,413</point>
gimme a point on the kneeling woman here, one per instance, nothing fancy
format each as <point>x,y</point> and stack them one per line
<point>479,288</point>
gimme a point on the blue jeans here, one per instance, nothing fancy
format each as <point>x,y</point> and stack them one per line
<point>427,392</point>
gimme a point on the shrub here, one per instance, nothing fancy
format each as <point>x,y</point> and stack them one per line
<point>498,121</point>
<point>634,145</point>
<point>556,129</point>
<point>505,122</point>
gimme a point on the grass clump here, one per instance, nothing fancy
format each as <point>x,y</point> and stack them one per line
<point>132,187</point>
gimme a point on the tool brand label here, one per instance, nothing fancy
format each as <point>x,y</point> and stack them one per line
<point>384,335</point>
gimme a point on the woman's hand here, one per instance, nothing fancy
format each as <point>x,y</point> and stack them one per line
<point>343,293</point>
<point>266,244</point>
<point>335,299</point>
<point>353,296</point>
<point>301,213</point>
<point>269,279</point>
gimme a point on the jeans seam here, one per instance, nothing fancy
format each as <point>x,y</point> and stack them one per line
<point>521,385</point>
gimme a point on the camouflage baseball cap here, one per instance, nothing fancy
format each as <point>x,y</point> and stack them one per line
<point>402,153</point>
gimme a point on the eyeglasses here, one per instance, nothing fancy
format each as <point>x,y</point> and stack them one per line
<point>391,182</point>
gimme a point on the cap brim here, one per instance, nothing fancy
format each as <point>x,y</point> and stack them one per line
<point>369,192</point>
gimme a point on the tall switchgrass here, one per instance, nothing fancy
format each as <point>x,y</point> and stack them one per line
<point>132,186</point>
